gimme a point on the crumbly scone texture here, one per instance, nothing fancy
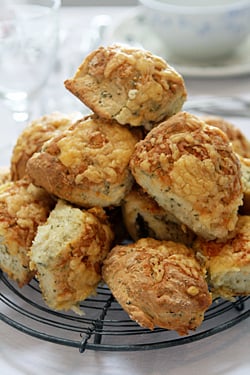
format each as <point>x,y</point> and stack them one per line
<point>67,254</point>
<point>34,136</point>
<point>240,143</point>
<point>88,164</point>
<point>23,207</point>
<point>143,217</point>
<point>158,283</point>
<point>190,169</point>
<point>228,262</point>
<point>129,85</point>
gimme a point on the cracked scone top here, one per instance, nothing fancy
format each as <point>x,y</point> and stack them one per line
<point>190,169</point>
<point>129,85</point>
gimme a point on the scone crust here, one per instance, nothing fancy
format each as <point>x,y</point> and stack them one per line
<point>88,164</point>
<point>129,85</point>
<point>191,170</point>
<point>34,136</point>
<point>23,207</point>
<point>158,283</point>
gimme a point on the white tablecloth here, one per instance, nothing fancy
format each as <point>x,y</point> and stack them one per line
<point>225,353</point>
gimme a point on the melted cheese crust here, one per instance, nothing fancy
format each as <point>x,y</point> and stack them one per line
<point>129,85</point>
<point>187,165</point>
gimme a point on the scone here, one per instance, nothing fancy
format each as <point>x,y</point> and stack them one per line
<point>190,169</point>
<point>33,137</point>
<point>143,217</point>
<point>228,263</point>
<point>240,143</point>
<point>23,207</point>
<point>67,254</point>
<point>88,164</point>
<point>129,85</point>
<point>158,283</point>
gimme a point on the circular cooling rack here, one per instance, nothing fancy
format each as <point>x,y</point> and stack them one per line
<point>104,324</point>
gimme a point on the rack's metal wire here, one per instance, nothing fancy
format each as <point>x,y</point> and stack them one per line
<point>104,325</point>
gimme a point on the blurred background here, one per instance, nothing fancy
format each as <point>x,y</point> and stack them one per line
<point>99,2</point>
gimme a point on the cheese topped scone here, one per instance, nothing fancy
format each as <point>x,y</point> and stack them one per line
<point>190,169</point>
<point>23,207</point>
<point>88,164</point>
<point>34,136</point>
<point>158,283</point>
<point>128,84</point>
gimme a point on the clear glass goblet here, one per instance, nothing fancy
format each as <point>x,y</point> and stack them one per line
<point>28,45</point>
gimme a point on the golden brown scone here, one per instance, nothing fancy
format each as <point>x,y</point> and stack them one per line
<point>129,85</point>
<point>158,283</point>
<point>88,164</point>
<point>4,175</point>
<point>23,207</point>
<point>191,170</point>
<point>245,178</point>
<point>143,217</point>
<point>240,143</point>
<point>228,263</point>
<point>33,137</point>
<point>67,254</point>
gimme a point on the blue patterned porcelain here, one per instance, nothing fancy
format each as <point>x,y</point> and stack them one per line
<point>200,30</point>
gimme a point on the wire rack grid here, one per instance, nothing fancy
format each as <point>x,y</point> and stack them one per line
<point>104,325</point>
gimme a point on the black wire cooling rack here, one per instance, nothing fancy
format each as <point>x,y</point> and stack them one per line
<point>104,325</point>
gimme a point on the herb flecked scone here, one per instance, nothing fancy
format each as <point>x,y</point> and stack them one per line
<point>158,283</point>
<point>127,84</point>
<point>88,164</point>
<point>227,262</point>
<point>67,254</point>
<point>143,217</point>
<point>190,169</point>
<point>34,136</point>
<point>23,207</point>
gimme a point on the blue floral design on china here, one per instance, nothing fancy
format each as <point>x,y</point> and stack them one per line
<point>233,22</point>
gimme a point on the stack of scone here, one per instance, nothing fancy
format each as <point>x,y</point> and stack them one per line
<point>178,182</point>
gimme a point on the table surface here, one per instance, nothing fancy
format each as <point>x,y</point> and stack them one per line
<point>224,353</point>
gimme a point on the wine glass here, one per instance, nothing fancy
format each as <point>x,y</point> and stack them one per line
<point>28,44</point>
